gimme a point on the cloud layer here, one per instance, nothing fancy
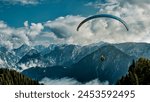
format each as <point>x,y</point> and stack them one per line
<point>63,29</point>
<point>14,37</point>
<point>71,81</point>
<point>136,14</point>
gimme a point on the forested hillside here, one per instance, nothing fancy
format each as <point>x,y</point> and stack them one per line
<point>138,74</point>
<point>11,77</point>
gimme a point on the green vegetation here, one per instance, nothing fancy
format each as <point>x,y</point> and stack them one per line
<point>138,74</point>
<point>11,77</point>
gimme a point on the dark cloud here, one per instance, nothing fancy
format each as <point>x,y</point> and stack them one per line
<point>60,32</point>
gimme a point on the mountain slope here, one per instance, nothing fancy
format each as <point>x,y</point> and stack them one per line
<point>111,68</point>
<point>84,63</point>
<point>56,55</point>
<point>135,49</point>
<point>22,50</point>
<point>90,67</point>
<point>11,77</point>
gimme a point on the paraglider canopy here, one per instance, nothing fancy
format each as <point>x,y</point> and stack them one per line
<point>103,15</point>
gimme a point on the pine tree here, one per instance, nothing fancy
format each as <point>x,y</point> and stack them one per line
<point>138,73</point>
<point>11,77</point>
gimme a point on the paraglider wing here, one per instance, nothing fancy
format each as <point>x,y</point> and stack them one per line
<point>103,15</point>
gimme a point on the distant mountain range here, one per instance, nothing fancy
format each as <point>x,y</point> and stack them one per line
<point>107,62</point>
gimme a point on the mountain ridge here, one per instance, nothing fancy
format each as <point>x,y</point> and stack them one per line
<point>72,60</point>
<point>85,69</point>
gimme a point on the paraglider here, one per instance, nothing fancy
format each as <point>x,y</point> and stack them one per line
<point>103,15</point>
<point>102,58</point>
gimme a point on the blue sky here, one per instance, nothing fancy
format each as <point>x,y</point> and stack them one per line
<point>16,14</point>
<point>35,22</point>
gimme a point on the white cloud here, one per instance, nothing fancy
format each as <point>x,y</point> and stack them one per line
<point>97,82</point>
<point>139,2</point>
<point>70,81</point>
<point>23,2</point>
<point>2,25</point>
<point>14,37</point>
<point>108,30</point>
<point>35,29</point>
<point>63,29</point>
<point>134,12</point>
<point>26,24</point>
<point>63,81</point>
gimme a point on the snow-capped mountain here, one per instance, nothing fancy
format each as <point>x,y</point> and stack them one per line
<point>83,63</point>
<point>7,58</point>
<point>62,55</point>
<point>135,49</point>
<point>30,59</point>
<point>22,50</point>
<point>55,55</point>
<point>114,65</point>
<point>3,63</point>
<point>39,48</point>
